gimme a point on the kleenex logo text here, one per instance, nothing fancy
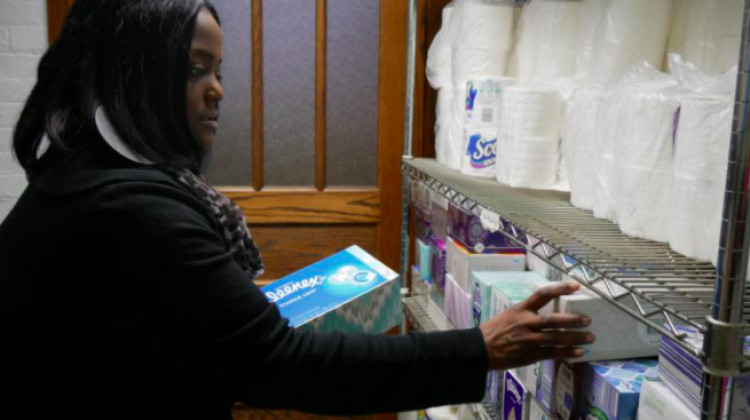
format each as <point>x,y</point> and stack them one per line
<point>290,288</point>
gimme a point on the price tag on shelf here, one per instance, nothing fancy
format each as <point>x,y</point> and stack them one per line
<point>490,220</point>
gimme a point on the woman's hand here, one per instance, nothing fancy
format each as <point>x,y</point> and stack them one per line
<point>520,336</point>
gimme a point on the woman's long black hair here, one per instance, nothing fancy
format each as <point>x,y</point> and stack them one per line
<point>130,56</point>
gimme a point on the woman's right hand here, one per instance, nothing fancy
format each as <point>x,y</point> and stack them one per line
<point>520,336</point>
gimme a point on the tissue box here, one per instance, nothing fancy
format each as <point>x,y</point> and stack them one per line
<point>536,412</point>
<point>437,271</point>
<point>423,222</point>
<point>516,399</point>
<point>682,373</point>
<point>539,266</point>
<point>567,382</point>
<point>481,294</point>
<point>467,230</point>
<point>418,285</point>
<point>495,390</point>
<point>539,379</point>
<point>457,304</point>
<point>462,262</point>
<point>659,403</point>
<point>420,195</point>
<point>438,215</point>
<point>611,389</point>
<point>618,336</point>
<point>423,258</point>
<point>512,288</point>
<point>349,291</point>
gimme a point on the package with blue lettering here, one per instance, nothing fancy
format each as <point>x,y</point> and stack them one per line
<point>350,291</point>
<point>480,151</point>
<point>611,389</point>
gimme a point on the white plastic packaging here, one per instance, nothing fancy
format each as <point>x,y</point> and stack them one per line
<point>609,44</point>
<point>438,72</point>
<point>528,150</point>
<point>708,33</point>
<point>546,45</point>
<point>578,137</point>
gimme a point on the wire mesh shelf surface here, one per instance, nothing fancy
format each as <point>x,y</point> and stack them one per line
<point>644,278</point>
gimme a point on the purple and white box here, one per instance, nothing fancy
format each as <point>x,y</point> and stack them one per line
<point>516,400</point>
<point>437,271</point>
<point>682,373</point>
<point>467,230</point>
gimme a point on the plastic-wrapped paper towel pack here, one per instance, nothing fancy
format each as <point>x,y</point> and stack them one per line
<point>547,39</point>
<point>528,149</point>
<point>608,45</point>
<point>438,72</point>
<point>708,32</point>
<point>578,135</point>
<point>699,176</point>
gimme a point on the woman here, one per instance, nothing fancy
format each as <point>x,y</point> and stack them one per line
<point>126,283</point>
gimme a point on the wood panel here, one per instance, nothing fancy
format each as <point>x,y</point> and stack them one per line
<point>57,11</point>
<point>391,90</point>
<point>286,249</point>
<point>256,48</point>
<point>320,94</point>
<point>307,206</point>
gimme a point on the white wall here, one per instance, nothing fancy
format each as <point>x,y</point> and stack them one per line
<point>23,39</point>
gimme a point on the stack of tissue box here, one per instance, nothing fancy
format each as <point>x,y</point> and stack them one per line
<point>482,283</point>
<point>468,231</point>
<point>515,287</point>
<point>457,304</point>
<point>539,379</point>
<point>349,291</point>
<point>515,400</point>
<point>682,373</point>
<point>610,390</point>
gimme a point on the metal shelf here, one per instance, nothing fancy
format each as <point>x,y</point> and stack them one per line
<point>419,316</point>
<point>645,279</point>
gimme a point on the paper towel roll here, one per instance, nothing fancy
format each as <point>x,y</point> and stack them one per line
<point>527,162</point>
<point>615,45</point>
<point>546,45</point>
<point>454,144</point>
<point>479,152</point>
<point>699,176</point>
<point>643,162</point>
<point>712,32</point>
<point>481,34</point>
<point>484,99</point>
<point>578,135</point>
<point>530,112</point>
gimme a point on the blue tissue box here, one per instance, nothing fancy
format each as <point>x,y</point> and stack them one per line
<point>611,389</point>
<point>350,291</point>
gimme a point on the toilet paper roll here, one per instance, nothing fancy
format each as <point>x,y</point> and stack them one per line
<point>643,162</point>
<point>530,112</point>
<point>480,150</point>
<point>472,62</point>
<point>699,176</point>
<point>615,46</point>
<point>455,139</point>
<point>527,162</point>
<point>578,135</point>
<point>712,33</point>
<point>546,45</point>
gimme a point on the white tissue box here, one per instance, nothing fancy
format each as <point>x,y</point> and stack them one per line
<point>457,304</point>
<point>461,262</point>
<point>618,335</point>
<point>536,412</point>
<point>539,379</point>
<point>512,288</point>
<point>657,402</point>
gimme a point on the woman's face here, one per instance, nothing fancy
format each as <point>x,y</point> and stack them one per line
<point>204,79</point>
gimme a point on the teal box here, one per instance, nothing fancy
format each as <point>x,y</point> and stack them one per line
<point>423,257</point>
<point>350,291</point>
<point>512,287</point>
<point>481,291</point>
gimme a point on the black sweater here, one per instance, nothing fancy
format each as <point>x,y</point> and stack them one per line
<point>118,299</point>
